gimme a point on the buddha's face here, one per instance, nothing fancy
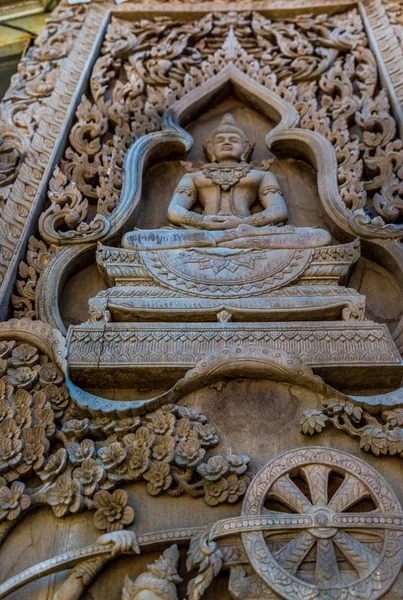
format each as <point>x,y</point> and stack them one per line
<point>228,146</point>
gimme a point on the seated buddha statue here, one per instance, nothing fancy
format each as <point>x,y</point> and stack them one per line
<point>226,188</point>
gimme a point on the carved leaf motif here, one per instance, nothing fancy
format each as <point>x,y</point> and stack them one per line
<point>207,557</point>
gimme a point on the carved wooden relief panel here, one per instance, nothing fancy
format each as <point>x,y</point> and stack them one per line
<point>201,266</point>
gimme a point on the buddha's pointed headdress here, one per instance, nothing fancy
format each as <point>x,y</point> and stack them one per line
<point>228,125</point>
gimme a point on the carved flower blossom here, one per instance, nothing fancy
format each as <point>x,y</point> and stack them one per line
<point>24,355</point>
<point>312,421</point>
<point>138,462</point>
<point>6,411</point>
<point>192,414</point>
<point>79,452</point>
<point>143,438</point>
<point>58,397</point>
<point>41,400</point>
<point>9,429</point>
<point>112,455</point>
<point>183,430</point>
<point>216,491</point>
<point>76,427</point>
<point>3,366</point>
<point>6,390</point>
<point>22,399</point>
<point>238,463</point>
<point>6,348</point>
<point>23,418</point>
<point>89,474</point>
<point>112,510</point>
<point>164,448</point>
<point>65,496</point>
<point>126,425</point>
<point>158,477</point>
<point>10,453</point>
<point>373,439</point>
<point>162,423</point>
<point>237,487</point>
<point>33,454</point>
<point>98,426</point>
<point>207,434</point>
<point>13,501</point>
<point>54,466</point>
<point>22,377</point>
<point>394,418</point>
<point>44,418</point>
<point>50,374</point>
<point>189,454</point>
<point>216,467</point>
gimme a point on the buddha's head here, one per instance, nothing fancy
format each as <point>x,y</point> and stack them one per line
<point>228,143</point>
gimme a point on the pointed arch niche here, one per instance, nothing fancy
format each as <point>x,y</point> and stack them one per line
<point>264,117</point>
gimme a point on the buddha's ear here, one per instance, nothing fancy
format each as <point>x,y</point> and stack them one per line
<point>208,151</point>
<point>248,148</point>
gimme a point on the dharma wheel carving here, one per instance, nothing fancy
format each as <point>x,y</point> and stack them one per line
<point>333,539</point>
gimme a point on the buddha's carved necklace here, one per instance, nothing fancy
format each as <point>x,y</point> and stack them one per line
<point>226,177</point>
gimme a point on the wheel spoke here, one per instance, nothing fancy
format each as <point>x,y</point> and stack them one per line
<point>291,556</point>
<point>285,490</point>
<point>317,477</point>
<point>360,557</point>
<point>327,570</point>
<point>350,492</point>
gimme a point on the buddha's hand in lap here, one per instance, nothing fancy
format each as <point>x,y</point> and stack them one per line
<point>219,222</point>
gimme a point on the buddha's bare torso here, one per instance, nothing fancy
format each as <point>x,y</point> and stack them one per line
<point>226,189</point>
<point>212,189</point>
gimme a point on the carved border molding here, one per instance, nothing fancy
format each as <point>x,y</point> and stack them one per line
<point>388,51</point>
<point>27,195</point>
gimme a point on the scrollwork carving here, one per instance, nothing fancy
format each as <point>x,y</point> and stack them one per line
<point>23,104</point>
<point>24,298</point>
<point>319,63</point>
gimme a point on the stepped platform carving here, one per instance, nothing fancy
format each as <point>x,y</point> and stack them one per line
<point>244,285</point>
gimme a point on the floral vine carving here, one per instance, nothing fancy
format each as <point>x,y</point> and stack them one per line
<point>24,298</point>
<point>73,463</point>
<point>322,64</point>
<point>380,435</point>
<point>25,100</point>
